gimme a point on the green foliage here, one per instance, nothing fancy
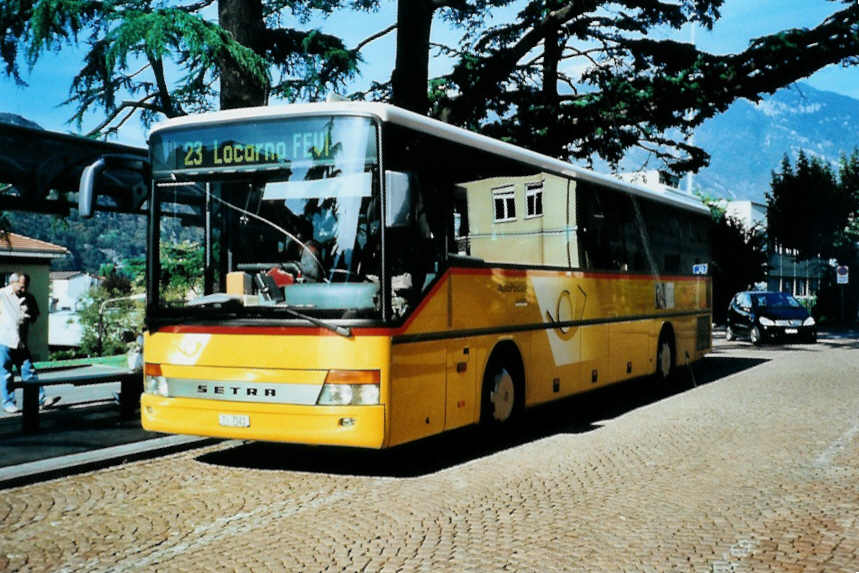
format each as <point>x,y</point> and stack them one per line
<point>510,79</point>
<point>810,210</point>
<point>181,265</point>
<point>105,324</point>
<point>309,63</point>
<point>739,261</point>
<point>132,42</point>
<point>106,239</point>
<point>636,91</point>
<point>716,205</point>
<point>815,211</point>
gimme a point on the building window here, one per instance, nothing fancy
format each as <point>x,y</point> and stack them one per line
<point>534,199</point>
<point>505,203</point>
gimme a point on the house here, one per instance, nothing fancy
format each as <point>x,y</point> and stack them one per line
<point>32,256</point>
<point>500,231</point>
<point>750,213</point>
<point>68,288</point>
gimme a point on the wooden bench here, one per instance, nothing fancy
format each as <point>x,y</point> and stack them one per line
<point>131,384</point>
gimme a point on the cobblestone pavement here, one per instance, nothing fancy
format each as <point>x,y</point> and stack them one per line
<point>754,469</point>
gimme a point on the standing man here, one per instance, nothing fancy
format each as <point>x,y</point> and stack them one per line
<point>24,358</point>
<point>15,319</point>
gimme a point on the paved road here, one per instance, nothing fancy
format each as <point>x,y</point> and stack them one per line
<point>754,469</point>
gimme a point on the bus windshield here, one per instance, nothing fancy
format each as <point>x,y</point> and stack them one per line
<point>296,228</point>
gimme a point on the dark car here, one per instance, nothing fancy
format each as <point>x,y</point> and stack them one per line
<point>769,316</point>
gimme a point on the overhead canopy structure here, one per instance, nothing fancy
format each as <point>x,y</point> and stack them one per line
<point>40,170</point>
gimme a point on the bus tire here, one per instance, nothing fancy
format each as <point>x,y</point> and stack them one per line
<point>665,356</point>
<point>502,396</point>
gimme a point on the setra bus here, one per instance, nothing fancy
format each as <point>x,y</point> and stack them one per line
<point>356,274</point>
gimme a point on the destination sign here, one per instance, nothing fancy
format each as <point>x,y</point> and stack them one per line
<point>253,143</point>
<point>214,153</point>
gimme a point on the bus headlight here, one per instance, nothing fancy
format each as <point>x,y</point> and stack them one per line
<point>155,382</point>
<point>156,385</point>
<point>809,322</point>
<point>350,387</point>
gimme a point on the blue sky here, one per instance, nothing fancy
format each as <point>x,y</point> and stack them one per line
<point>742,20</point>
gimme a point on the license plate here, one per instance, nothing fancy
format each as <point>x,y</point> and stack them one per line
<point>234,420</point>
<point>790,331</point>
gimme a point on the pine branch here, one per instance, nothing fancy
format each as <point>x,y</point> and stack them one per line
<point>374,37</point>
<point>134,105</point>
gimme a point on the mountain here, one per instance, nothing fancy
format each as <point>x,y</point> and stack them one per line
<point>12,119</point>
<point>748,141</point>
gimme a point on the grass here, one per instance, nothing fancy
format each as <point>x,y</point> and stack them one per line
<point>118,360</point>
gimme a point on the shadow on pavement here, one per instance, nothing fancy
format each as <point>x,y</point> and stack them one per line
<point>574,415</point>
<point>68,430</point>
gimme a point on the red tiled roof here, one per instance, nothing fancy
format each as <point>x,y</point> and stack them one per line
<point>19,244</point>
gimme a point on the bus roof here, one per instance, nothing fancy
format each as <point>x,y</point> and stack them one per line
<point>399,116</point>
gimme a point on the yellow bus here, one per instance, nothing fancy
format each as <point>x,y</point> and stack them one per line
<point>355,274</point>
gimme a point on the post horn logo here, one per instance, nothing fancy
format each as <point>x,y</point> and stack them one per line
<point>569,309</point>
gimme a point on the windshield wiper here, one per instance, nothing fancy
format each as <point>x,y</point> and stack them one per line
<point>343,331</point>
<point>225,300</point>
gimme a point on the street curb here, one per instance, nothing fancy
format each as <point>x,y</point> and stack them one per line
<point>77,463</point>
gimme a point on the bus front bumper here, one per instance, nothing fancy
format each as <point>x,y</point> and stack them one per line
<point>358,426</point>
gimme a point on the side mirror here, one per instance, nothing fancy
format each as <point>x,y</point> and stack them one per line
<point>86,190</point>
<point>398,199</point>
<point>91,177</point>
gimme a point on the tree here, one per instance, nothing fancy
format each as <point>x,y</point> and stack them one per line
<point>105,323</point>
<point>106,238</point>
<point>848,176</point>
<point>410,78</point>
<point>815,212</point>
<point>738,259</point>
<point>508,80</point>
<point>809,209</point>
<point>133,46</point>
<point>181,264</point>
<point>635,91</point>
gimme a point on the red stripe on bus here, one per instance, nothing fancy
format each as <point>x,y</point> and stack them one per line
<point>280,330</point>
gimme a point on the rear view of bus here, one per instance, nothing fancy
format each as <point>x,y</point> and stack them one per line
<point>264,280</point>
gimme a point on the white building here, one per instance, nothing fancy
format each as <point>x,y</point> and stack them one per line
<point>68,288</point>
<point>749,212</point>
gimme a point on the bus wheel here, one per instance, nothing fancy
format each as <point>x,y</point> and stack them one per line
<point>500,396</point>
<point>664,358</point>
